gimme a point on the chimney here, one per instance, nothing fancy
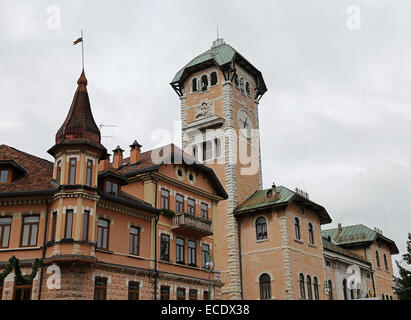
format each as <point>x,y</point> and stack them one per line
<point>274,188</point>
<point>104,163</point>
<point>135,152</point>
<point>339,227</point>
<point>118,157</point>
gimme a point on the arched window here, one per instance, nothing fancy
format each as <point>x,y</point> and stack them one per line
<point>247,88</point>
<point>385,262</point>
<point>204,83</point>
<point>330,290</point>
<point>194,85</point>
<point>310,233</point>
<point>309,288</point>
<point>236,81</point>
<point>261,228</point>
<point>297,228</point>
<point>316,292</point>
<point>265,286</point>
<point>377,257</point>
<point>345,289</point>
<point>383,297</point>
<point>302,286</point>
<point>213,78</point>
<point>241,84</point>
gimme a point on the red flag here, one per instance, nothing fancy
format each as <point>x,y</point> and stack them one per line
<point>78,40</point>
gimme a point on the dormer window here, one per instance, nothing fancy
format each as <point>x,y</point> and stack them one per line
<point>112,188</point>
<point>204,83</point>
<point>4,175</point>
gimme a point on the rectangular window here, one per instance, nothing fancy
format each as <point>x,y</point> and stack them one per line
<point>58,176</point>
<point>134,240</point>
<point>89,172</point>
<point>133,290</point>
<point>164,293</point>
<point>206,295</point>
<point>165,247</point>
<point>72,171</point>
<point>165,199</point>
<point>86,218</point>
<point>180,250</point>
<point>102,233</point>
<point>69,224</point>
<point>29,231</point>
<point>191,253</point>
<point>207,150</point>
<point>179,203</point>
<point>204,210</point>
<point>191,206</point>
<point>181,294</point>
<point>217,147</point>
<point>4,174</point>
<point>22,292</point>
<point>5,227</point>
<point>54,226</point>
<point>195,152</point>
<point>192,294</point>
<point>100,288</point>
<point>205,251</point>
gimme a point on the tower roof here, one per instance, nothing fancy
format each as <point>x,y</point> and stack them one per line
<point>223,55</point>
<point>79,126</point>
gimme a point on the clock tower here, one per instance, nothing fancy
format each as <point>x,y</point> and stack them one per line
<point>219,91</point>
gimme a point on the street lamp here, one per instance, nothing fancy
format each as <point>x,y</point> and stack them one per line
<point>210,267</point>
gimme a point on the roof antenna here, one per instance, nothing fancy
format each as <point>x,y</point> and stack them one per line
<point>218,42</point>
<point>106,125</point>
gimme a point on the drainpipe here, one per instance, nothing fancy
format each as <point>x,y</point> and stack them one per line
<point>241,258</point>
<point>43,255</point>
<point>155,244</point>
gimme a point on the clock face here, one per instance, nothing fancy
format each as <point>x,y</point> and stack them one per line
<point>244,123</point>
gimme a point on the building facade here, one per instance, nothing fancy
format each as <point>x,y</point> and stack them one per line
<point>134,228</point>
<point>148,226</point>
<point>219,93</point>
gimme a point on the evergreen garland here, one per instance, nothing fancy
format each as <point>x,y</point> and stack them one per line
<point>14,263</point>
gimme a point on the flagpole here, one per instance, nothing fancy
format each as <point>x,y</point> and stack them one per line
<point>82,48</point>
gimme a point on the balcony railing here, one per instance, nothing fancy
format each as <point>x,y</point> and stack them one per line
<point>192,224</point>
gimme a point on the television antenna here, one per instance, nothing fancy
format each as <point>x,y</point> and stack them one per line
<point>106,125</point>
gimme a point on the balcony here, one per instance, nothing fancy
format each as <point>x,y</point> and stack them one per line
<point>191,225</point>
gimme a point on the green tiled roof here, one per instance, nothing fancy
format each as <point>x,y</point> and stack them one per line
<point>352,235</point>
<point>334,248</point>
<point>221,54</point>
<point>260,200</point>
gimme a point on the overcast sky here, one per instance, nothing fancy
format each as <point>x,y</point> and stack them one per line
<point>335,120</point>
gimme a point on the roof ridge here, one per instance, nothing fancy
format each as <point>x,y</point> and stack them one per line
<point>26,154</point>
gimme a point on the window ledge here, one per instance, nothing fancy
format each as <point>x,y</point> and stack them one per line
<point>136,257</point>
<point>19,249</point>
<point>104,250</point>
<point>261,240</point>
<point>312,245</point>
<point>299,241</point>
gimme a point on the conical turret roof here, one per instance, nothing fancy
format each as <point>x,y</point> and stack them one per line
<point>79,126</point>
